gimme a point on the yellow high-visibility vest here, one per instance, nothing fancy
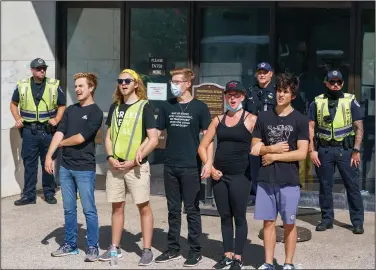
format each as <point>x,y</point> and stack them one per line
<point>341,126</point>
<point>47,107</point>
<point>127,138</point>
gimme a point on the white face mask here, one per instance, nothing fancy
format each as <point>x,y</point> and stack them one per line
<point>228,107</point>
<point>175,90</point>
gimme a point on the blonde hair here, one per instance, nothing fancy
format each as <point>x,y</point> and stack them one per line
<point>91,79</point>
<point>186,72</point>
<point>140,90</point>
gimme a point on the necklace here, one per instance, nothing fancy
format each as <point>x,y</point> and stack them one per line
<point>183,111</point>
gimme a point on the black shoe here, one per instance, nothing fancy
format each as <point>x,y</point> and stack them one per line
<point>358,229</point>
<point>236,264</point>
<point>50,200</point>
<point>168,256</point>
<point>324,226</point>
<point>224,262</point>
<point>24,201</point>
<point>193,259</point>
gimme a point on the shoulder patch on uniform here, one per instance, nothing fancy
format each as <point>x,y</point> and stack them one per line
<point>356,103</point>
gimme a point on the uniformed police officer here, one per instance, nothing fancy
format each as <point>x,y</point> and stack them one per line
<point>42,104</point>
<point>338,119</point>
<point>260,97</point>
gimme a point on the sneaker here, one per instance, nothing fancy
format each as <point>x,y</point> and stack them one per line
<point>223,263</point>
<point>64,250</point>
<point>107,256</point>
<point>267,266</point>
<point>193,259</point>
<point>168,256</point>
<point>146,257</point>
<point>288,266</point>
<point>92,254</point>
<point>236,264</point>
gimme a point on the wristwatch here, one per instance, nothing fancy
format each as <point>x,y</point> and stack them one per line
<point>109,156</point>
<point>355,150</point>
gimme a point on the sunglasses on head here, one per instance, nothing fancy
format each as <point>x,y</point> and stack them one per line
<point>125,81</point>
<point>40,68</point>
<point>339,83</point>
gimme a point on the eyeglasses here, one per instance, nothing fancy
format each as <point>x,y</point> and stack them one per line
<point>177,82</point>
<point>40,68</point>
<point>236,95</point>
<point>125,81</point>
<point>339,83</point>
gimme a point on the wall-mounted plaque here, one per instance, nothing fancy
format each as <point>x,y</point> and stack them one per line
<point>212,95</point>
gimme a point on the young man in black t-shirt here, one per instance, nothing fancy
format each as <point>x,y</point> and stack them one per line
<point>76,135</point>
<point>183,117</point>
<point>281,137</point>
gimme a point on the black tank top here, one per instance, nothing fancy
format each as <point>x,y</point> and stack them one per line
<point>233,147</point>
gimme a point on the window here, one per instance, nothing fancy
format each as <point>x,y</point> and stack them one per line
<point>93,42</point>
<point>367,169</point>
<point>233,41</point>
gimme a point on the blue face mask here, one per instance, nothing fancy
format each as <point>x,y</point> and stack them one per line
<point>228,107</point>
<point>175,90</point>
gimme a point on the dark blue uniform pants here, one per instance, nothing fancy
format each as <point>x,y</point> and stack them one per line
<point>329,157</point>
<point>255,165</point>
<point>33,146</point>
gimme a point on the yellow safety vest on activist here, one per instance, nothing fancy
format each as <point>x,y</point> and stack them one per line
<point>341,125</point>
<point>47,107</point>
<point>127,139</point>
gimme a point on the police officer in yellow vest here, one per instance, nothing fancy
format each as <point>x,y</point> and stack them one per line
<point>336,133</point>
<point>42,104</point>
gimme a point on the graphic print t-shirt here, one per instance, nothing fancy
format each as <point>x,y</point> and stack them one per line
<point>183,123</point>
<point>273,129</point>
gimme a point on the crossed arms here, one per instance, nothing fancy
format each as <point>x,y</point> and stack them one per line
<point>279,151</point>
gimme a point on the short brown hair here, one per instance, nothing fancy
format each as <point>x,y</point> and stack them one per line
<point>186,72</point>
<point>91,79</point>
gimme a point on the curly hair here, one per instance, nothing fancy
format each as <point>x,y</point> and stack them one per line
<point>288,81</point>
<point>140,89</point>
<point>91,79</point>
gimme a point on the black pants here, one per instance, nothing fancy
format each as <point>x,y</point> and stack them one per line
<point>329,158</point>
<point>254,165</point>
<point>183,184</point>
<point>231,197</point>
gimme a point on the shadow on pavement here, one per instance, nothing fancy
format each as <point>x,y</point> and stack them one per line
<point>313,217</point>
<point>212,249</point>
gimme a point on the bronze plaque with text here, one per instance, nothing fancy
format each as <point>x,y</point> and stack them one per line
<point>212,95</point>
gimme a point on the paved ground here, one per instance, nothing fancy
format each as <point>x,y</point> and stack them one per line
<point>30,233</point>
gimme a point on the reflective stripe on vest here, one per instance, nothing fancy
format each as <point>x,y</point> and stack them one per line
<point>341,126</point>
<point>127,139</point>
<point>47,107</point>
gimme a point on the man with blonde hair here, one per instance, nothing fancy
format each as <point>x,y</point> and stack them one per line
<point>183,117</point>
<point>76,135</point>
<point>130,138</point>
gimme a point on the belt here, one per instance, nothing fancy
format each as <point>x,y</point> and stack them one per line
<point>38,125</point>
<point>324,143</point>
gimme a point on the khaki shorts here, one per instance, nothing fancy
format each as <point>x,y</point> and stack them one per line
<point>136,182</point>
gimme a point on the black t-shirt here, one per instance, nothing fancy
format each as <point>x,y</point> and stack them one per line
<point>37,89</point>
<point>183,123</point>
<point>84,120</point>
<point>272,129</point>
<point>148,119</point>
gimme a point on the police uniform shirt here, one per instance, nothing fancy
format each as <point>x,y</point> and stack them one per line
<point>357,113</point>
<point>37,90</point>
<point>257,96</point>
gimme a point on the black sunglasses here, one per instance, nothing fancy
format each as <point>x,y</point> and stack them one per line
<point>339,83</point>
<point>40,68</point>
<point>126,81</point>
